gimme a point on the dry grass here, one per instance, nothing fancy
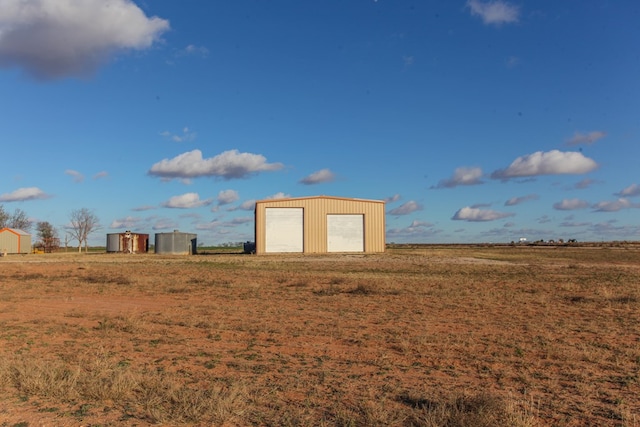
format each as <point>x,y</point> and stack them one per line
<point>421,336</point>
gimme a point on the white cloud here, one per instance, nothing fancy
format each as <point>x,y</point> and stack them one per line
<point>614,206</point>
<point>393,198</point>
<point>194,50</point>
<point>77,176</point>
<point>476,215</point>
<point>495,12</point>
<point>278,195</point>
<point>52,39</point>
<point>23,194</point>
<point>517,200</point>
<point>406,208</point>
<point>323,175</point>
<point>102,174</point>
<point>570,205</point>
<point>462,176</point>
<point>586,138</point>
<point>228,165</point>
<point>227,196</point>
<point>129,222</point>
<point>186,201</point>
<point>552,162</point>
<point>186,135</point>
<point>165,224</point>
<point>248,205</point>
<point>630,191</point>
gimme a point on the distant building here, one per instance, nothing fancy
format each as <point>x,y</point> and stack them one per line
<point>128,242</point>
<point>14,241</point>
<point>176,243</point>
<point>319,224</point>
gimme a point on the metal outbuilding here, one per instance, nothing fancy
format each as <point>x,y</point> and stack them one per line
<point>319,224</point>
<point>14,241</point>
<point>176,243</point>
<point>128,242</point>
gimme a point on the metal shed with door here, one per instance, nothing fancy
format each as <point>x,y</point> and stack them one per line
<point>176,243</point>
<point>128,242</point>
<point>14,241</point>
<point>320,224</point>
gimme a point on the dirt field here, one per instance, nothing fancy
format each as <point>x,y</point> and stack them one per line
<point>421,336</point>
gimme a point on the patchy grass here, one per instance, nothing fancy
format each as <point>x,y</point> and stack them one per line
<point>422,336</point>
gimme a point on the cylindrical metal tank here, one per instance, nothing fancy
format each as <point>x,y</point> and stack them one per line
<point>128,242</point>
<point>113,242</point>
<point>176,243</point>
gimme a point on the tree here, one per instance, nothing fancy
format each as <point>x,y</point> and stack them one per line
<point>82,223</point>
<point>4,217</point>
<point>18,219</point>
<point>48,236</point>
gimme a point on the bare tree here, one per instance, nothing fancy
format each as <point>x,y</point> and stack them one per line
<point>4,217</point>
<point>82,223</point>
<point>20,220</point>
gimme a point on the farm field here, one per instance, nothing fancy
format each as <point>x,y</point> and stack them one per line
<point>417,336</point>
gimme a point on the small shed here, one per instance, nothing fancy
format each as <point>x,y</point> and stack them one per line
<point>320,224</point>
<point>14,241</point>
<point>128,242</point>
<point>176,243</point>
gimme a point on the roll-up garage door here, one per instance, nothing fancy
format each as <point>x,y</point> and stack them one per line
<point>345,233</point>
<point>284,231</point>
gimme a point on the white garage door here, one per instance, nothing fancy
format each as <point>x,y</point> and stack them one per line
<point>345,233</point>
<point>283,230</point>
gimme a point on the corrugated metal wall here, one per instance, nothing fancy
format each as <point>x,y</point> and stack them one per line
<point>316,210</point>
<point>176,243</point>
<point>14,241</point>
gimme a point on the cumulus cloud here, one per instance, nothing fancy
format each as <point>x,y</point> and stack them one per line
<point>128,222</point>
<point>462,176</point>
<point>406,208</point>
<point>323,175</point>
<point>495,12</point>
<point>586,138</point>
<point>614,206</point>
<point>552,162</point>
<point>186,201</point>
<point>23,194</point>
<point>570,205</point>
<point>477,215</point>
<point>278,195</point>
<point>247,205</point>
<point>77,176</point>
<point>630,191</point>
<point>51,39</point>
<point>518,200</point>
<point>227,165</point>
<point>227,196</point>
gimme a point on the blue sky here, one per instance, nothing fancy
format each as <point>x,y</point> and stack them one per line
<point>476,121</point>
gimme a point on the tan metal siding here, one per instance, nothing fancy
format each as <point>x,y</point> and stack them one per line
<point>316,210</point>
<point>13,242</point>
